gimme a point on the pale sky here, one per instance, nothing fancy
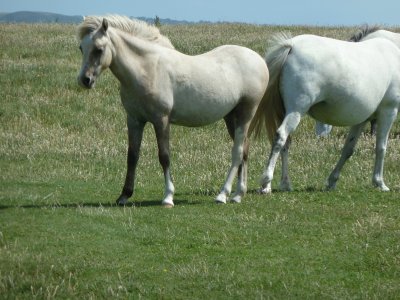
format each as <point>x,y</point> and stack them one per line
<point>286,12</point>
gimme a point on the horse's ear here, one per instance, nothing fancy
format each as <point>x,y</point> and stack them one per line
<point>104,26</point>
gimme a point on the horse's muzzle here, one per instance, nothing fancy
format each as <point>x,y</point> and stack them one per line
<point>86,81</point>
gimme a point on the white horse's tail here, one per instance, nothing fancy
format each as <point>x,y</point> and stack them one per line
<point>271,110</point>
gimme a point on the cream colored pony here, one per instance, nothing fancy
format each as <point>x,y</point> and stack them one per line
<point>336,82</point>
<point>163,86</point>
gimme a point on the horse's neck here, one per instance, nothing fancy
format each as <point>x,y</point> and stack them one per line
<point>129,55</point>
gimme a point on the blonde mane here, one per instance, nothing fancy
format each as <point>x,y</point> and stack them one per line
<point>135,27</point>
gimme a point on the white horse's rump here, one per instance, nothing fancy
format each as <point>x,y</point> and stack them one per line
<point>162,86</point>
<point>336,82</point>
<point>365,33</point>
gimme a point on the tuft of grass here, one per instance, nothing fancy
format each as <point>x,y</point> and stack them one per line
<point>62,162</point>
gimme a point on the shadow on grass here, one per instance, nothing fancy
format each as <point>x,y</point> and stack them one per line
<point>136,204</point>
<point>183,199</point>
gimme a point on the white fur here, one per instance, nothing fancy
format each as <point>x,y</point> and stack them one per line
<point>338,83</point>
<point>322,129</point>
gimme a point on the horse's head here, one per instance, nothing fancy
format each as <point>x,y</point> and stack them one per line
<point>96,48</point>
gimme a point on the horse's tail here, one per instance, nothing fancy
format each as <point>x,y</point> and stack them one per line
<point>271,110</point>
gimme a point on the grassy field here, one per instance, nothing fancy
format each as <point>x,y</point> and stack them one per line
<point>62,165</point>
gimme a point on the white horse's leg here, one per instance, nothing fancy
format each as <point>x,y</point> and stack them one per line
<point>240,151</point>
<point>347,152</point>
<point>382,133</point>
<point>285,184</point>
<point>230,126</point>
<point>135,134</point>
<point>241,188</point>
<point>162,134</point>
<point>290,122</point>
<point>237,157</point>
<point>322,129</point>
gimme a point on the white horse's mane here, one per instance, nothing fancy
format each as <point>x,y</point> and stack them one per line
<point>135,27</point>
<point>363,32</point>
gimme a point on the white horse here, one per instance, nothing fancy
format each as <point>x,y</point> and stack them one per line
<point>336,82</point>
<point>163,86</point>
<point>365,33</point>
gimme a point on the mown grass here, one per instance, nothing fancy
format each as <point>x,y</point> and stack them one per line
<point>62,162</point>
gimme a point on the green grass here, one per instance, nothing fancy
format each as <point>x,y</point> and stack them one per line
<point>62,165</point>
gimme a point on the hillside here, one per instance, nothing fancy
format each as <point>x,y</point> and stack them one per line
<point>37,17</point>
<point>46,17</point>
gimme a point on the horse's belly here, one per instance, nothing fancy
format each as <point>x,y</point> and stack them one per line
<point>203,105</point>
<point>341,114</point>
<point>200,113</point>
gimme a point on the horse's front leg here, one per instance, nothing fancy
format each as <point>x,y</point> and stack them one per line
<point>135,135</point>
<point>161,128</point>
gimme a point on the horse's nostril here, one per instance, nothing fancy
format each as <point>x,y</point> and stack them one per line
<point>86,81</point>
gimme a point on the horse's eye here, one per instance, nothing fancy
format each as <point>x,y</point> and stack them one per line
<point>80,48</point>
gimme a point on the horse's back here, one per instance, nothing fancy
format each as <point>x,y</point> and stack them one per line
<point>245,65</point>
<point>208,86</point>
<point>391,36</point>
<point>332,54</point>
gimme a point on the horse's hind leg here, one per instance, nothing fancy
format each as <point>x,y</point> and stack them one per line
<point>237,158</point>
<point>241,188</point>
<point>385,121</point>
<point>285,184</point>
<point>347,152</point>
<point>162,128</point>
<point>237,124</point>
<point>289,124</point>
<point>135,134</point>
